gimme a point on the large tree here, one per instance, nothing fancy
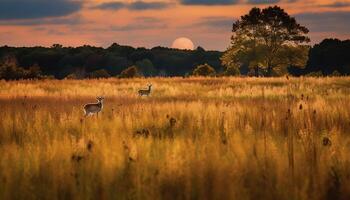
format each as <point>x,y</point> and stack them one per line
<point>269,40</point>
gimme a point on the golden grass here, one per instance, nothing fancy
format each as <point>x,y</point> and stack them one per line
<point>234,138</point>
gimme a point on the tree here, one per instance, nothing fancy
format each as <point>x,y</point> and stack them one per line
<point>9,69</point>
<point>130,72</point>
<point>33,72</point>
<point>231,65</point>
<point>146,67</point>
<point>57,46</point>
<point>328,56</point>
<point>11,72</point>
<point>204,70</point>
<point>232,71</point>
<point>266,39</point>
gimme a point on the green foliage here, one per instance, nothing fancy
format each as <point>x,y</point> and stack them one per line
<point>130,72</point>
<point>232,71</point>
<point>267,39</point>
<point>231,65</point>
<point>204,70</point>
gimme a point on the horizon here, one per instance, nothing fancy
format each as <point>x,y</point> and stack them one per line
<point>148,48</point>
<point>206,23</point>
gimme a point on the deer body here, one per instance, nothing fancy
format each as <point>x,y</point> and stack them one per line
<point>146,92</point>
<point>92,108</point>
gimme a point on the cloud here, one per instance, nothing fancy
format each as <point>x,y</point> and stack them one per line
<point>337,5</point>
<point>141,5</point>
<point>141,23</point>
<point>263,1</point>
<point>137,5</point>
<point>208,2</point>
<point>72,20</point>
<point>33,9</point>
<point>110,6</point>
<point>133,27</point>
<point>336,22</point>
<point>215,23</point>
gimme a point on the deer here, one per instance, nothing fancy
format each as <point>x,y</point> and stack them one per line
<point>92,108</point>
<point>146,92</point>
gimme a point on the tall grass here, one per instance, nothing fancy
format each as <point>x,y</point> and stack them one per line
<point>196,138</point>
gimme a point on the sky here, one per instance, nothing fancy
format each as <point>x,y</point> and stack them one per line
<point>150,23</point>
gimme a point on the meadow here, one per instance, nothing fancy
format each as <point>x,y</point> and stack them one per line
<point>192,138</point>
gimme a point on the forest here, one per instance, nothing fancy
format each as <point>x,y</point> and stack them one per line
<point>88,61</point>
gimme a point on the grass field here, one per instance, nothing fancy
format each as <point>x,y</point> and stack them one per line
<point>195,138</point>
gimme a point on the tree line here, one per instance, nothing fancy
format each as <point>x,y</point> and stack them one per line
<point>264,42</point>
<point>95,62</point>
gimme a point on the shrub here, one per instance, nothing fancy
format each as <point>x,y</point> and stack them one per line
<point>232,71</point>
<point>11,72</point>
<point>336,73</point>
<point>130,72</point>
<point>315,74</point>
<point>99,74</point>
<point>71,76</point>
<point>204,70</point>
<point>33,72</point>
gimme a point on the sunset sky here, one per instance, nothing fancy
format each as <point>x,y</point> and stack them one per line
<point>152,23</point>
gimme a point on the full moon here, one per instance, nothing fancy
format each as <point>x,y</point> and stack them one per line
<point>183,43</point>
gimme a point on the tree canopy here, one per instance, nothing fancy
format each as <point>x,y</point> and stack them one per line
<point>331,55</point>
<point>204,70</point>
<point>268,40</point>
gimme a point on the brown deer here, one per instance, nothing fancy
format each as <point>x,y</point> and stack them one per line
<point>146,92</point>
<point>92,108</point>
